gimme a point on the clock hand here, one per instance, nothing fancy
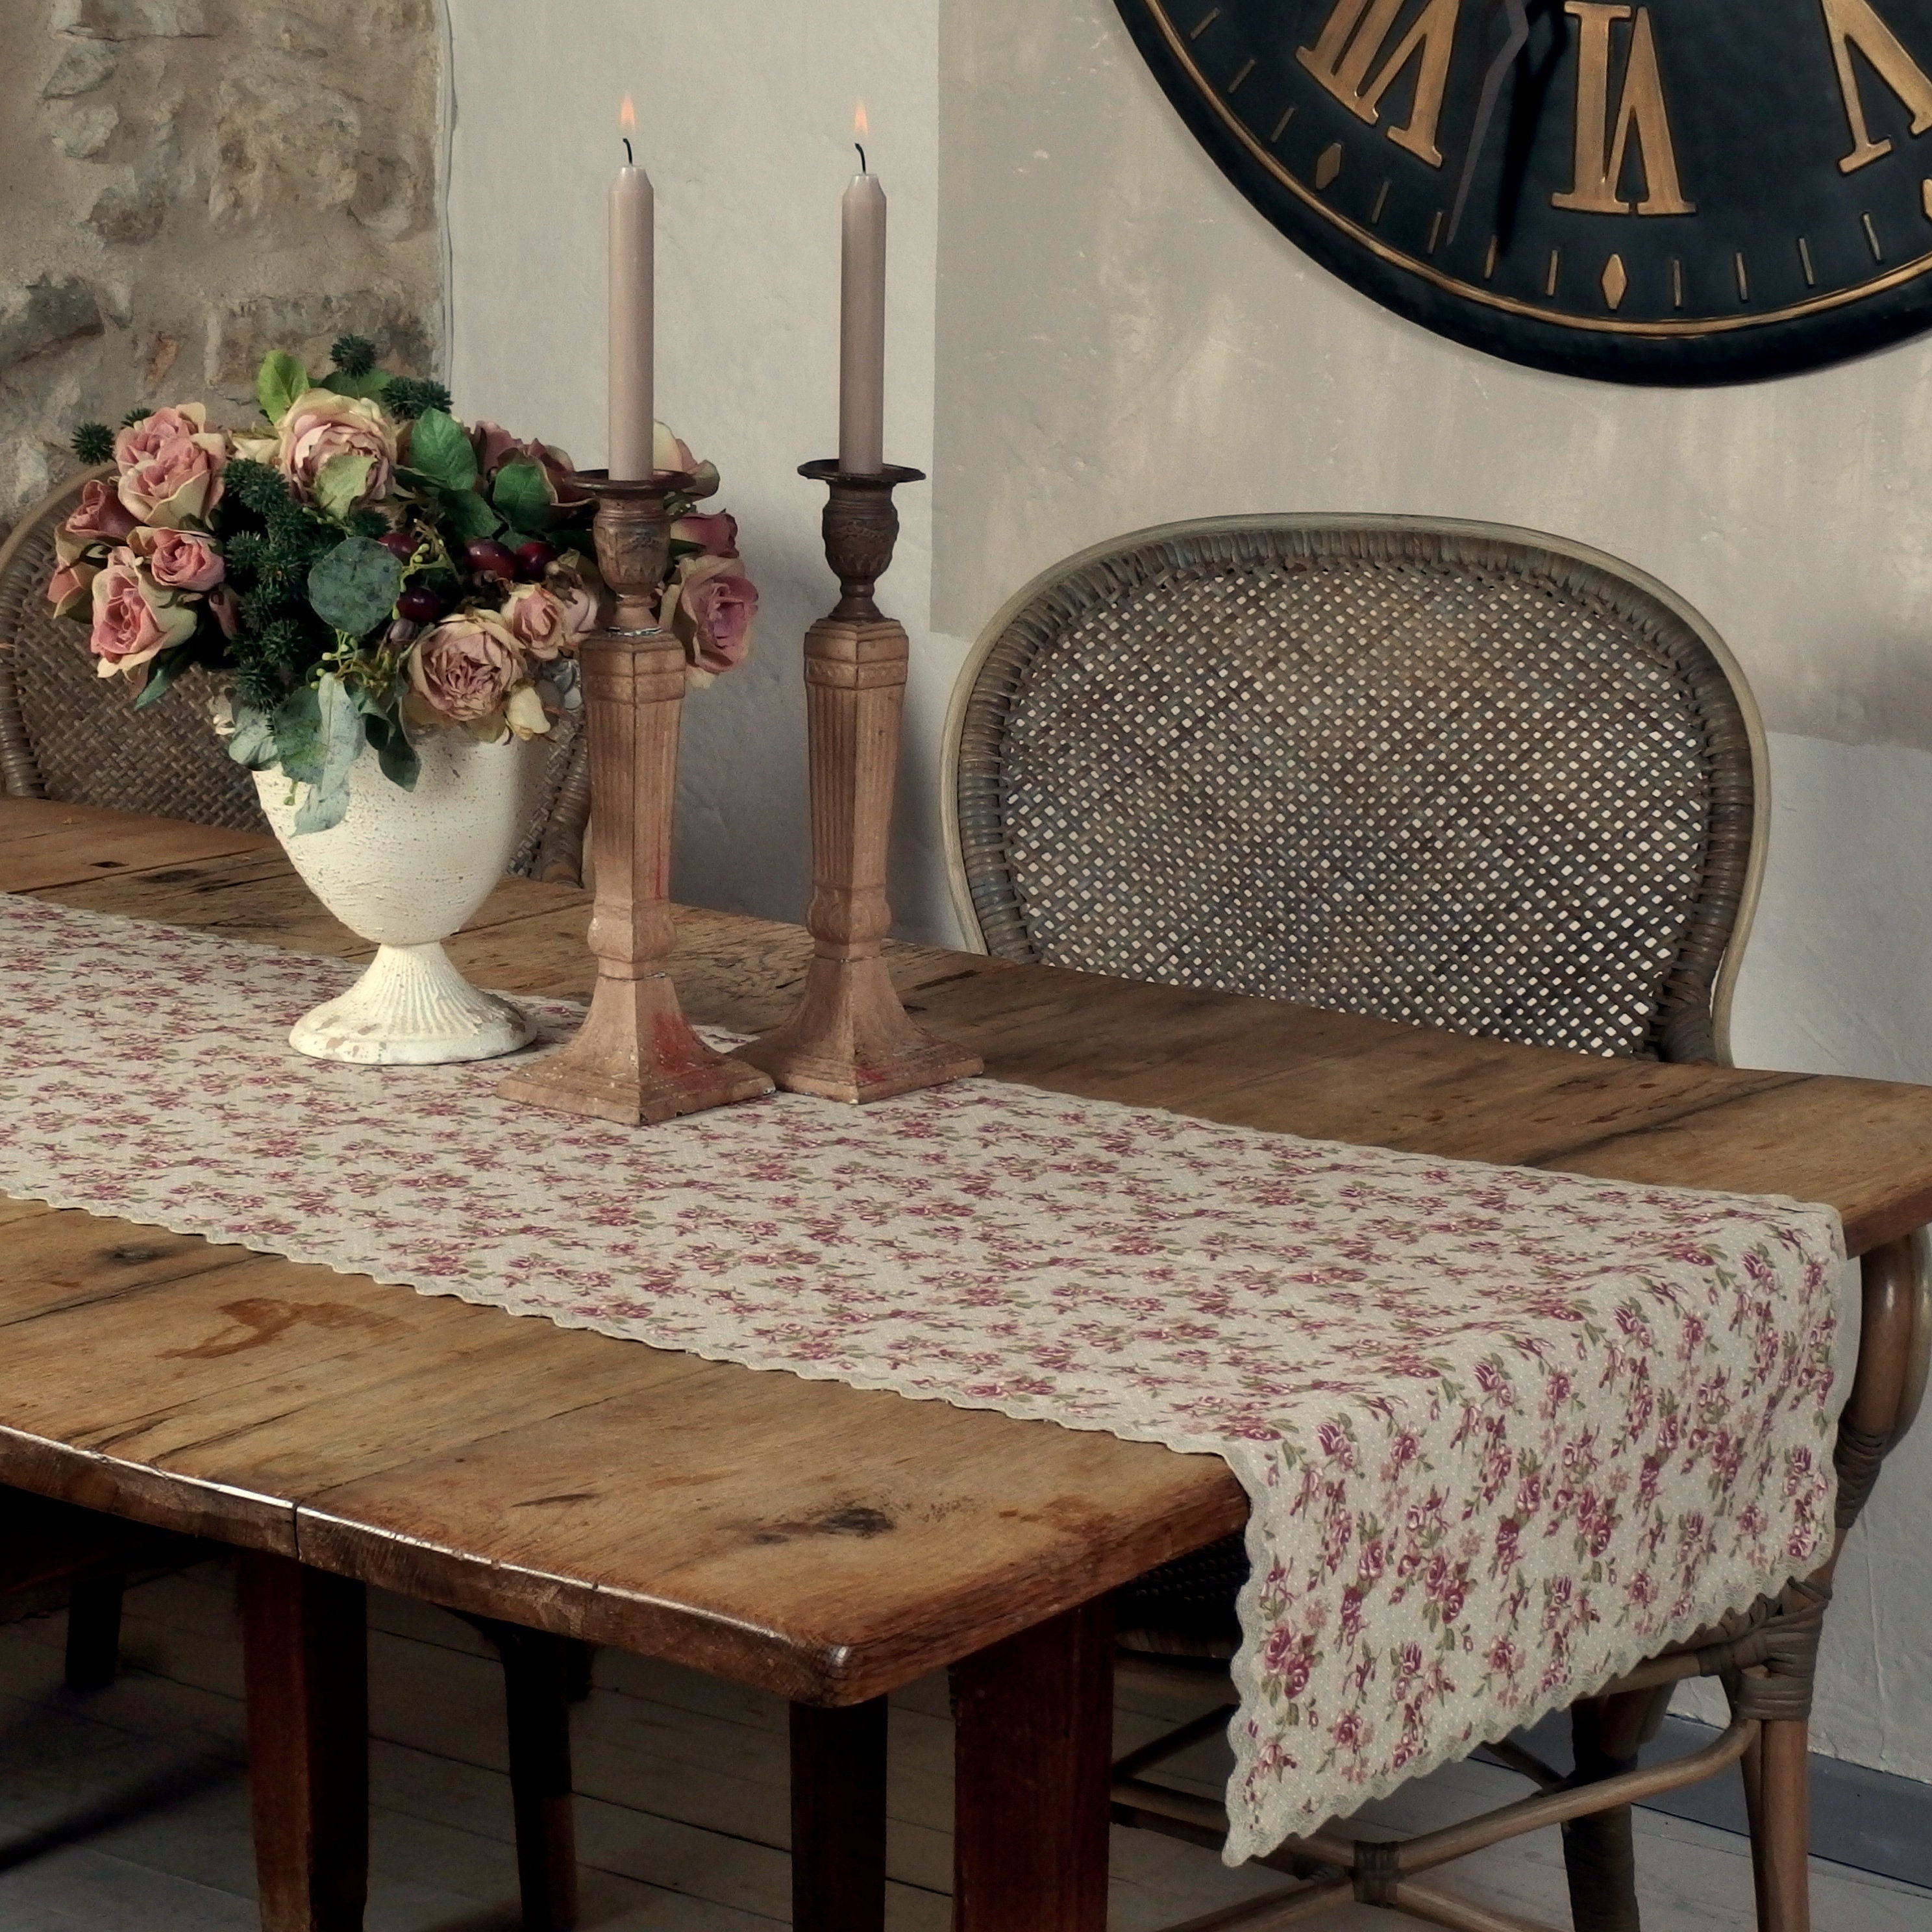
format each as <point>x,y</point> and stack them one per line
<point>1511,52</point>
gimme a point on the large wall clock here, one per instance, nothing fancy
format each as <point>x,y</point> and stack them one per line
<point>1648,190</point>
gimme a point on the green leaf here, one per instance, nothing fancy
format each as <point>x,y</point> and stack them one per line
<point>282,379</point>
<point>253,742</point>
<point>522,493</point>
<point>341,745</point>
<point>297,729</point>
<point>394,752</point>
<point>468,516</point>
<point>162,672</point>
<point>355,586</point>
<point>341,481</point>
<point>440,447</point>
<point>370,386</point>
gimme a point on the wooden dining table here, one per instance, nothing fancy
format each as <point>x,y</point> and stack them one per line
<point>824,1542</point>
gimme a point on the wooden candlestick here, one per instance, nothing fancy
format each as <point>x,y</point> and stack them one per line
<point>850,1039</point>
<point>635,1059</point>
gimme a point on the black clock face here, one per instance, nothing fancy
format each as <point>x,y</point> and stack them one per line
<point>1675,191</point>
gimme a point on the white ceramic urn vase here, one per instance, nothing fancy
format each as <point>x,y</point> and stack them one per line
<point>406,869</point>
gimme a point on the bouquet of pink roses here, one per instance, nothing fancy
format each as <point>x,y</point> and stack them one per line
<point>366,569</point>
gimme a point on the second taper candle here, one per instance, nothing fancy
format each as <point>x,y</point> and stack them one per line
<point>633,317</point>
<point>862,322</point>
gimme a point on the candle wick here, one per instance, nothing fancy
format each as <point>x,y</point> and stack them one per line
<point>630,159</point>
<point>863,168</point>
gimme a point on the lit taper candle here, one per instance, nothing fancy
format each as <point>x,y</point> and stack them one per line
<point>861,332</point>
<point>633,253</point>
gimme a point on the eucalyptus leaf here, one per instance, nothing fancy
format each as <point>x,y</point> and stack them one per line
<point>355,586</point>
<point>282,378</point>
<point>470,517</point>
<point>341,744</point>
<point>252,741</point>
<point>440,447</point>
<point>522,493</point>
<point>162,672</point>
<point>370,387</point>
<point>297,729</point>
<point>341,482</point>
<point>394,752</point>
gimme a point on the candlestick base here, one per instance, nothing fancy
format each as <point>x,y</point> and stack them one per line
<point>849,1038</point>
<point>636,1061</point>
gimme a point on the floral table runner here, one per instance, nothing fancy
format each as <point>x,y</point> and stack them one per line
<point>1506,1432</point>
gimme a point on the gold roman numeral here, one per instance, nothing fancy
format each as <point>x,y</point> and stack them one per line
<point>1603,137</point>
<point>1854,23</point>
<point>1352,59</point>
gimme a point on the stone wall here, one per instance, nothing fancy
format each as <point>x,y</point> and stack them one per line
<point>185,185</point>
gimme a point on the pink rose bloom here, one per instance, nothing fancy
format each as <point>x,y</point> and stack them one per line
<point>582,607</point>
<point>321,425</point>
<point>101,517</point>
<point>179,559</point>
<point>712,604</point>
<point>179,484</point>
<point>716,534</point>
<point>538,621</point>
<point>669,451</point>
<point>134,619</point>
<point>72,586</point>
<point>496,446</point>
<point>464,669</point>
<point>141,442</point>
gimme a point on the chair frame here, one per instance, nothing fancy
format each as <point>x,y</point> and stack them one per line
<point>1694,1018</point>
<point>1765,1656</point>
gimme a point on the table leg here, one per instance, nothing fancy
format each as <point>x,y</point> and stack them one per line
<point>536,1699</point>
<point>306,1662</point>
<point>839,1818</point>
<point>1034,1752</point>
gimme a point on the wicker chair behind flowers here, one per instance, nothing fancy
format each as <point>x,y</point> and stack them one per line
<point>67,733</point>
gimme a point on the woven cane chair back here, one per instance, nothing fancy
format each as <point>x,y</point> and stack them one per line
<point>67,733</point>
<point>1459,775</point>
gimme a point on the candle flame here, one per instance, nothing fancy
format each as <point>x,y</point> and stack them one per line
<point>627,116</point>
<point>862,129</point>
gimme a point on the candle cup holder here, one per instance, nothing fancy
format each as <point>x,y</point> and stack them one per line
<point>850,1040</point>
<point>635,1059</point>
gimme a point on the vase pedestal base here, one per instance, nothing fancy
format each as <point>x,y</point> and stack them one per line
<point>635,1061</point>
<point>850,1040</point>
<point>411,1008</point>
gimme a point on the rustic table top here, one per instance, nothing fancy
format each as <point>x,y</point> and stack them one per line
<point>823,1542</point>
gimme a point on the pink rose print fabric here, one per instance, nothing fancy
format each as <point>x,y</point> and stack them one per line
<point>1506,1432</point>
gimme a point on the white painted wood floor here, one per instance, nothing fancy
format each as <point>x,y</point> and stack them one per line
<point>127,1811</point>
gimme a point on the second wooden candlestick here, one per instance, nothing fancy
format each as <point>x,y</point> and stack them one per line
<point>850,1040</point>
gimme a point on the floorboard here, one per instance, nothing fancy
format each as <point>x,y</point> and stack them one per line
<point>126,1811</point>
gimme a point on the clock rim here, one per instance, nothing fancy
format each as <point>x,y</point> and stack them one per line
<point>1710,351</point>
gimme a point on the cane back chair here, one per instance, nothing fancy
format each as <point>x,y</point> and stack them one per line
<point>67,733</point>
<point>1454,774</point>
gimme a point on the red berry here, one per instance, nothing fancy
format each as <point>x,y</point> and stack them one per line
<point>533,559</point>
<point>400,544</point>
<point>419,606</point>
<point>488,558</point>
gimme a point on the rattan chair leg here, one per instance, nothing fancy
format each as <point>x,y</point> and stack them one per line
<point>1781,1833</point>
<point>1600,1850</point>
